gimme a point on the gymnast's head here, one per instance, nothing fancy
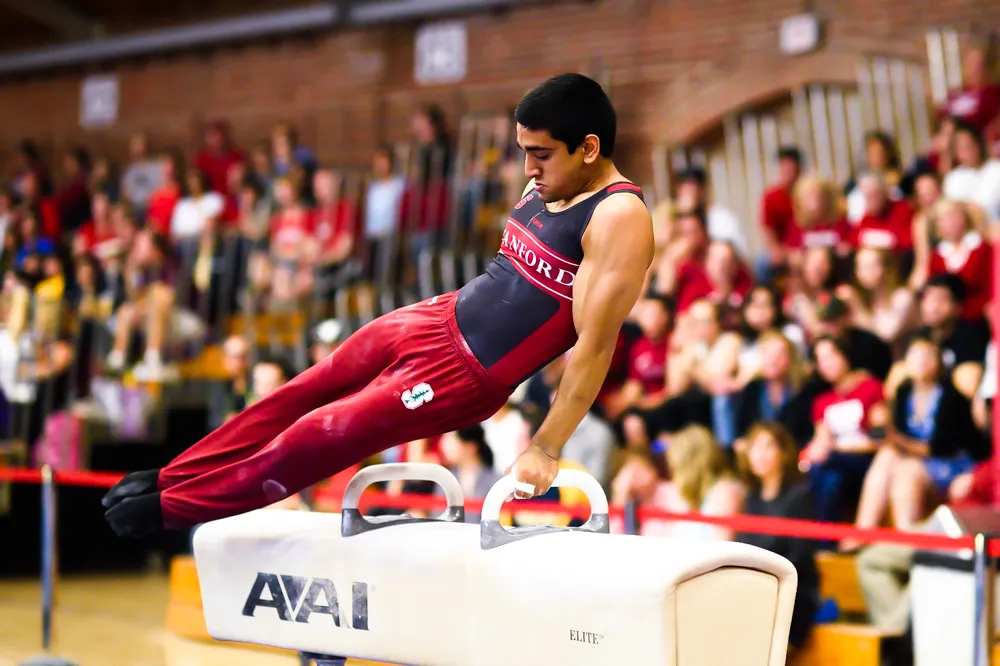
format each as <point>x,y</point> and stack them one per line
<point>566,128</point>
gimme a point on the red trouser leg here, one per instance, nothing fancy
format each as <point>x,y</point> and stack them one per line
<point>318,445</point>
<point>351,367</point>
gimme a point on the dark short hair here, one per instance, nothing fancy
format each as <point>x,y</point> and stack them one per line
<point>790,153</point>
<point>698,212</point>
<point>693,173</point>
<point>569,107</point>
<point>952,283</point>
<point>474,434</point>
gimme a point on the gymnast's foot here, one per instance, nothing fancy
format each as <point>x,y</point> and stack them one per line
<point>137,516</point>
<point>136,483</point>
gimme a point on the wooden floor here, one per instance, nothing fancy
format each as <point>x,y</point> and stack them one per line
<point>110,621</point>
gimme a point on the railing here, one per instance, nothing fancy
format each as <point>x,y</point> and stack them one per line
<point>984,547</point>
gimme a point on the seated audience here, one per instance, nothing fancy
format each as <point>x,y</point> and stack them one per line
<point>887,223</point>
<point>645,383</point>
<point>963,345</point>
<point>467,455</point>
<point>975,179</point>
<point>762,313</point>
<point>778,212</point>
<point>961,250</point>
<point>721,223</point>
<point>815,280</point>
<point>867,351</point>
<point>333,228</point>
<point>819,219</point>
<point>931,440</point>
<point>878,302</point>
<point>700,481</point>
<point>849,419</point>
<point>775,488</point>
<point>778,392</point>
<point>927,192</point>
<point>881,159</point>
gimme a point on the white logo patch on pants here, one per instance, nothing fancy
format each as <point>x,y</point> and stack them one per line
<point>418,395</point>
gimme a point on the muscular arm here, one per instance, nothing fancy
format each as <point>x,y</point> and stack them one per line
<point>618,248</point>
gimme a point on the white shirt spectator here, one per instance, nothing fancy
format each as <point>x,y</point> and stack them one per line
<point>506,436</point>
<point>382,206</point>
<point>979,186</point>
<point>590,446</point>
<point>190,214</point>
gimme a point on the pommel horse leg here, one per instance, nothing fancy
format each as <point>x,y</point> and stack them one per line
<point>308,659</point>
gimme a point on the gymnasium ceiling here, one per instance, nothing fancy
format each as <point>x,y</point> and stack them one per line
<point>30,24</point>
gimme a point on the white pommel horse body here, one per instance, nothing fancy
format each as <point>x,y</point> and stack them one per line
<point>442,592</point>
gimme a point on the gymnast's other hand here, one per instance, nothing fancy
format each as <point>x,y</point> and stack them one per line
<point>534,468</point>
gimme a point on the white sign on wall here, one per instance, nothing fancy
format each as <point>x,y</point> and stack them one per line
<point>99,101</point>
<point>441,52</point>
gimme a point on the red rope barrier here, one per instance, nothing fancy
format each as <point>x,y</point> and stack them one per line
<point>805,529</point>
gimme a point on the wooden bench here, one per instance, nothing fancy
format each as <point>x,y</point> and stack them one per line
<point>838,580</point>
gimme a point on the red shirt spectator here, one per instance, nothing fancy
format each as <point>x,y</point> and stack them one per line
<point>976,105</point>
<point>647,364</point>
<point>289,232</point>
<point>160,208</point>
<point>847,415</point>
<point>218,156</point>
<point>334,226</point>
<point>972,261</point>
<point>778,214</point>
<point>890,229</point>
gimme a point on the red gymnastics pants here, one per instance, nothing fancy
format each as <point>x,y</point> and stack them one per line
<point>405,376</point>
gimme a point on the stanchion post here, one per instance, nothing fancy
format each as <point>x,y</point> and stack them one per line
<point>632,517</point>
<point>984,613</point>
<point>48,554</point>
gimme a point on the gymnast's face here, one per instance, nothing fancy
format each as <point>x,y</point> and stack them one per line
<point>559,174</point>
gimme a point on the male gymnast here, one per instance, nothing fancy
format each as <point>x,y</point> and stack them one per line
<point>570,267</point>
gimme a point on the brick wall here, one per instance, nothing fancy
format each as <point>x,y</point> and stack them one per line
<point>676,67</point>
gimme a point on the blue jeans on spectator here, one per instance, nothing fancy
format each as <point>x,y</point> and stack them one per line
<point>836,483</point>
<point>724,419</point>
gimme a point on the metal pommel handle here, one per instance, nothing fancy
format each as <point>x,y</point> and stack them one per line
<point>352,522</point>
<point>493,534</point>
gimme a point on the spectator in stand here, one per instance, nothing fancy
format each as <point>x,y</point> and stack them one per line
<point>150,295</point>
<point>701,369</point>
<point>292,276</point>
<point>98,236</point>
<point>261,171</point>
<point>199,207</point>
<point>228,397</point>
<point>104,177</point>
<point>927,193</point>
<point>217,154</point>
<point>163,201</point>
<point>814,283</point>
<point>819,220</point>
<point>700,481</point>
<point>878,301</point>
<point>73,198</point>
<point>44,208</point>
<point>29,164</point>
<point>7,213</point>
<point>721,223</point>
<point>681,271</point>
<point>931,440</point>
<point>467,455</point>
<point>977,102</point>
<point>334,224</point>
<point>976,177</point>
<point>882,160</point>
<point>777,393</point>
<point>383,202</point>
<point>142,177</point>
<point>769,469</point>
<point>729,279</point>
<point>288,155</point>
<point>867,351</point>
<point>508,434</point>
<point>761,313</point>
<point>963,344</point>
<point>850,421</point>
<point>425,205</point>
<point>962,251</point>
<point>645,384</point>
<point>884,568</point>
<point>32,243</point>
<point>887,223</point>
<point>778,212</point>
